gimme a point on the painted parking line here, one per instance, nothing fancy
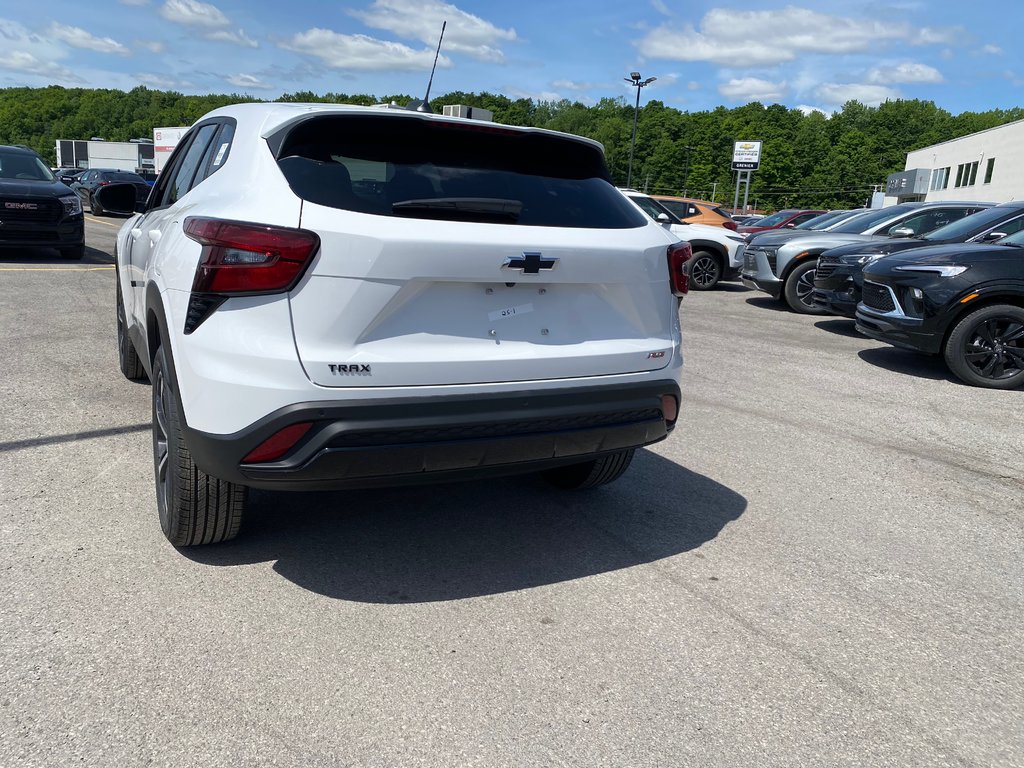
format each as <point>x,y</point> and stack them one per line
<point>104,223</point>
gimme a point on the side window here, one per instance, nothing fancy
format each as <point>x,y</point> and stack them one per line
<point>217,153</point>
<point>929,220</point>
<point>162,187</point>
<point>183,179</point>
<point>1010,227</point>
<point>802,218</point>
<point>692,210</point>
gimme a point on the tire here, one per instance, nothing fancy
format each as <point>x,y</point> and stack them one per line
<point>194,507</point>
<point>127,356</point>
<point>590,474</point>
<point>705,270</point>
<point>73,253</point>
<point>799,289</point>
<point>95,208</point>
<point>986,348</point>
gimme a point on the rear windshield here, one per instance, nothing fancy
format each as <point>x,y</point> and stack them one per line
<point>775,219</point>
<point>123,176</point>
<point>420,168</point>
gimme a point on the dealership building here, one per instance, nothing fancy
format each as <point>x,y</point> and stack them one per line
<point>988,165</point>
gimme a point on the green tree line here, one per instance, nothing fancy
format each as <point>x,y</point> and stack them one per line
<point>807,159</point>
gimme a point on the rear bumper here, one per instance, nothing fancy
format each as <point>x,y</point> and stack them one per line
<point>439,439</point>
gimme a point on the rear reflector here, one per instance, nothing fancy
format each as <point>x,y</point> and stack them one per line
<point>669,409</point>
<point>243,258</point>
<point>678,255</point>
<point>278,444</point>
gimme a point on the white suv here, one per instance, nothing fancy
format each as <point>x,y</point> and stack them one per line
<point>327,296</point>
<point>717,252</point>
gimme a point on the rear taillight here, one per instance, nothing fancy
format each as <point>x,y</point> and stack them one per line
<point>243,258</point>
<point>278,444</point>
<point>729,225</point>
<point>678,255</point>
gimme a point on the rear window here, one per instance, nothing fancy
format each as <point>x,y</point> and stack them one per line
<point>421,168</point>
<point>123,176</point>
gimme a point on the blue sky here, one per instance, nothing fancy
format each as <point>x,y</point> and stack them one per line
<point>963,56</point>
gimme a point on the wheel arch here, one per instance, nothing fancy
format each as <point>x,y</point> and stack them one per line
<point>715,249</point>
<point>1013,296</point>
<point>799,259</point>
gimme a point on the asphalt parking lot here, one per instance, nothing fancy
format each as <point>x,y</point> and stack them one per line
<point>822,566</point>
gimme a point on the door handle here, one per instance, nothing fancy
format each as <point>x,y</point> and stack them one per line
<point>136,233</point>
<point>154,236</point>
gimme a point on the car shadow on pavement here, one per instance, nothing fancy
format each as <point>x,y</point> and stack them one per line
<point>731,288</point>
<point>449,542</point>
<point>50,257</point>
<point>769,303</point>
<point>841,327</point>
<point>908,362</point>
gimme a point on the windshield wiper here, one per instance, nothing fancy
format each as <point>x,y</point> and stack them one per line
<point>468,207</point>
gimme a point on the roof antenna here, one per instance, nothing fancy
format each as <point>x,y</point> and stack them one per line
<point>424,106</point>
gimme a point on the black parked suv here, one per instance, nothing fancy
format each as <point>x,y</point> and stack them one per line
<point>965,301</point>
<point>35,208</point>
<point>839,275</point>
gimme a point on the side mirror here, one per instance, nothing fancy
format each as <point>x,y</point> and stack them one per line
<point>790,226</point>
<point>117,198</point>
<point>663,219</point>
<point>990,236</point>
<point>901,232</point>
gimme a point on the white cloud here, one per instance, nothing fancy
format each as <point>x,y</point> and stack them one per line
<point>362,53</point>
<point>752,89</point>
<point>163,82</point>
<point>991,50</point>
<point>134,2</point>
<point>79,38</point>
<point>906,72</point>
<point>693,85</point>
<point>249,81</point>
<point>571,85</point>
<point>758,38</point>
<point>519,93</point>
<point>238,37</point>
<point>421,20</point>
<point>808,109</point>
<point>192,13</point>
<point>28,53</point>
<point>840,93</point>
<point>153,46</point>
<point>204,16</point>
<point>660,7</point>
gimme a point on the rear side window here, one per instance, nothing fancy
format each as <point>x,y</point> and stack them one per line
<point>421,168</point>
<point>183,178</point>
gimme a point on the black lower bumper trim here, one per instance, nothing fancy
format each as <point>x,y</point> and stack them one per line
<point>404,441</point>
<point>836,302</point>
<point>899,333</point>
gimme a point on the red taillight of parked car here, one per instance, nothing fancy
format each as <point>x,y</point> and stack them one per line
<point>678,255</point>
<point>243,258</point>
<point>729,225</point>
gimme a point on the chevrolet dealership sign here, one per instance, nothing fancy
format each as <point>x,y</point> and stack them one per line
<point>746,155</point>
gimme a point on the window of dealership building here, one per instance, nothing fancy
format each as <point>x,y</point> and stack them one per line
<point>988,166</point>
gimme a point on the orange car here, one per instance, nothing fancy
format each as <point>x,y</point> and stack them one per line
<point>697,211</point>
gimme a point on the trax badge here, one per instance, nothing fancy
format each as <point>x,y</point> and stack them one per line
<point>336,369</point>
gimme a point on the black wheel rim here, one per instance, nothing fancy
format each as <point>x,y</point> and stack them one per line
<point>704,272</point>
<point>994,349</point>
<point>805,288</point>
<point>161,454</point>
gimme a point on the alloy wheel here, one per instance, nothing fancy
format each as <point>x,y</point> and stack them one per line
<point>161,452</point>
<point>805,288</point>
<point>704,272</point>
<point>995,348</point>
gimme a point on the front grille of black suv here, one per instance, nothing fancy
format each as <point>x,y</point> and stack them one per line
<point>877,297</point>
<point>19,209</point>
<point>826,266</point>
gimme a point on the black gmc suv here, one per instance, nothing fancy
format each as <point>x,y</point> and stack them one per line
<point>36,210</point>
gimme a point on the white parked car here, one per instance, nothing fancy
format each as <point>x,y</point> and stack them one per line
<point>717,252</point>
<point>327,296</point>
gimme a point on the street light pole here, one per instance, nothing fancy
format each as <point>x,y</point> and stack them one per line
<point>634,79</point>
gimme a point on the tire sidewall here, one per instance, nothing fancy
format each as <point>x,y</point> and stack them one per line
<point>168,499</point>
